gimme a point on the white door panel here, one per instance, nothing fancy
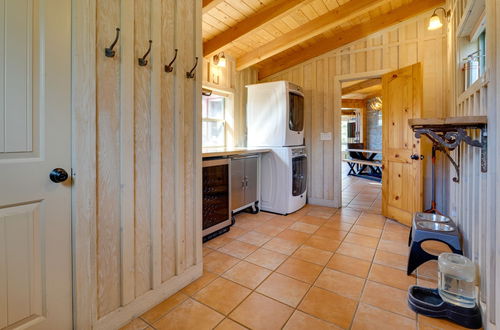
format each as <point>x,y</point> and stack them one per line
<point>35,137</point>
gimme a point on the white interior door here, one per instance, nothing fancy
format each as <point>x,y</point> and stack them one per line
<point>35,127</point>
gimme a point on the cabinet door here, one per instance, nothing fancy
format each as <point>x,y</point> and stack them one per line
<point>237,183</point>
<point>251,164</point>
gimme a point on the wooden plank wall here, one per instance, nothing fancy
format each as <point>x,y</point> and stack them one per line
<point>144,242</point>
<point>473,202</point>
<point>401,45</point>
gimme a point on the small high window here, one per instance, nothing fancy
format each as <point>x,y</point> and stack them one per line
<point>213,121</point>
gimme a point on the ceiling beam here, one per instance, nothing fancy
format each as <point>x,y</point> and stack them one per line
<point>353,103</point>
<point>323,23</point>
<point>275,10</point>
<point>344,37</point>
<point>361,85</point>
<point>207,5</point>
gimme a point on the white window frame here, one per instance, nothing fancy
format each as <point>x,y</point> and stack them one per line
<point>216,120</point>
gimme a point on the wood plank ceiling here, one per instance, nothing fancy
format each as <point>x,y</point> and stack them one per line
<point>273,35</point>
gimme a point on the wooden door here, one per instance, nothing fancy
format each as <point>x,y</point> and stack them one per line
<point>402,179</point>
<point>35,122</point>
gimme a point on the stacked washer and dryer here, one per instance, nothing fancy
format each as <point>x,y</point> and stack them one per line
<point>275,119</point>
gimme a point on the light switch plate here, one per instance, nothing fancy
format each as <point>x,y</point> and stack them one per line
<point>325,136</point>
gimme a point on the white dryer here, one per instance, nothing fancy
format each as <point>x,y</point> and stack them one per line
<point>284,180</point>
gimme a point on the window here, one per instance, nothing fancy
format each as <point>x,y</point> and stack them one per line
<point>213,121</point>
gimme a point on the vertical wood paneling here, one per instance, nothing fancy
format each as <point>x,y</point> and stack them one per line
<point>3,275</point>
<point>167,136</point>
<point>142,111</point>
<point>108,156</point>
<point>127,173</point>
<point>2,77</point>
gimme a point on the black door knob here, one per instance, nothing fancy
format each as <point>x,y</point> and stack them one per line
<point>58,175</point>
<point>417,157</point>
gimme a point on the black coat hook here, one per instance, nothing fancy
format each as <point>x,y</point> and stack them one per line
<point>191,74</point>
<point>142,60</point>
<point>169,67</point>
<point>109,52</point>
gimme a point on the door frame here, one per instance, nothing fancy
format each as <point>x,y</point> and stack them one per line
<point>337,119</point>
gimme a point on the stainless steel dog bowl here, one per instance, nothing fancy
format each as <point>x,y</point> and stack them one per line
<point>437,226</point>
<point>431,217</point>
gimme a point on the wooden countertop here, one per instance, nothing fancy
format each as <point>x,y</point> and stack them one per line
<point>218,152</point>
<point>450,121</point>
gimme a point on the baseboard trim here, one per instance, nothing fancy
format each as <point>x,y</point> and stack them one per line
<point>324,202</point>
<point>127,313</point>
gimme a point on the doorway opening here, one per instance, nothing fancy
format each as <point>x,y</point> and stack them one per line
<point>361,143</point>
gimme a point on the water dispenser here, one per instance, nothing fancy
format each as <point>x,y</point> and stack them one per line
<point>457,275</point>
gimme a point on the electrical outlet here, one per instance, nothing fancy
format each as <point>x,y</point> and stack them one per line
<point>325,136</point>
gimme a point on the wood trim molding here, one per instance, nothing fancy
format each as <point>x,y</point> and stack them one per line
<point>361,85</point>
<point>323,23</point>
<point>349,35</point>
<point>84,163</point>
<point>271,12</point>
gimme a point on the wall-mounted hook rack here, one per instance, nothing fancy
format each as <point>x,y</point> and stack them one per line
<point>170,67</point>
<point>109,52</point>
<point>191,74</point>
<point>142,60</point>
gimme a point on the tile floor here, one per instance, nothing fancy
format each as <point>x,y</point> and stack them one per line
<point>320,268</point>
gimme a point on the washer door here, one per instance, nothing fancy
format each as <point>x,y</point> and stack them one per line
<point>299,175</point>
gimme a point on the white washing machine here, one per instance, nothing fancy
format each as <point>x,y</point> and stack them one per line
<point>284,180</point>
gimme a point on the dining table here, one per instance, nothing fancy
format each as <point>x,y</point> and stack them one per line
<point>366,158</point>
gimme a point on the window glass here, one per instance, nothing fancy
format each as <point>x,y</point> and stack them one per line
<point>213,121</point>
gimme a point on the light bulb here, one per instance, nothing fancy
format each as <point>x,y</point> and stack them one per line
<point>434,23</point>
<point>222,61</point>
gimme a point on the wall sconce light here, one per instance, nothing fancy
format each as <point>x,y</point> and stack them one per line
<point>220,60</point>
<point>435,22</point>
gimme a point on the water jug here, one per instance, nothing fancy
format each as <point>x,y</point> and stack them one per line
<point>456,281</point>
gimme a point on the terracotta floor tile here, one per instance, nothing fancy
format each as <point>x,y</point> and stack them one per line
<point>346,216</point>
<point>266,258</point>
<point>310,254</point>
<point>218,242</point>
<point>349,265</point>
<point>234,232</point>
<point>282,221</point>
<point>293,235</point>
<point>260,312</point>
<point>312,220</point>
<point>323,243</point>
<point>254,238</point>
<point>207,250</point>
<point>200,283</point>
<point>394,247</point>
<point>136,324</point>
<point>391,276</point>
<point>300,270</point>
<point>371,222</point>
<point>368,231</point>
<point>344,284</point>
<point>269,229</point>
<point>390,259</point>
<point>302,321</point>
<point>247,225</point>
<point>331,233</point>
<point>284,289</point>
<point>304,227</point>
<point>436,247</point>
<point>391,225</point>
<point>218,262</point>
<point>428,270</point>
<point>395,236</point>
<point>356,251</point>
<point>247,274</point>
<point>362,240</point>
<point>282,245</point>
<point>189,315</point>
<point>160,310</point>
<point>369,317</point>
<point>321,213</point>
<point>228,324</point>
<point>238,249</point>
<point>338,225</point>
<point>387,298</point>
<point>329,306</point>
<point>222,295</point>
